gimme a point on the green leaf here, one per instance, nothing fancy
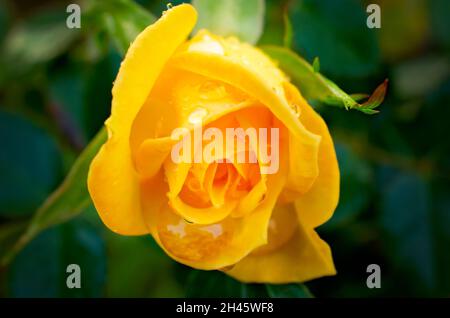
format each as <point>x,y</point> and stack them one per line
<point>288,291</point>
<point>316,64</point>
<point>69,200</point>
<point>97,95</point>
<point>288,32</point>
<point>314,85</point>
<point>336,32</point>
<point>40,269</point>
<point>359,97</point>
<point>137,267</point>
<point>10,233</point>
<point>39,39</point>
<point>215,284</point>
<point>356,178</point>
<point>82,95</point>
<point>241,18</point>
<point>72,196</point>
<point>66,88</point>
<point>406,220</point>
<point>218,284</point>
<point>275,30</point>
<point>30,166</point>
<point>124,20</point>
<point>212,284</point>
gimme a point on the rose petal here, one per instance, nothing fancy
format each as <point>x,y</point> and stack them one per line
<point>112,181</point>
<point>248,69</point>
<point>305,256</point>
<point>317,205</point>
<point>237,237</point>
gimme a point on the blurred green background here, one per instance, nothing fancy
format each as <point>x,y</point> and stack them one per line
<point>394,209</point>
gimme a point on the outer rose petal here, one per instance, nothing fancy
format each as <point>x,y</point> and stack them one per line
<point>317,205</point>
<point>112,181</point>
<point>305,256</point>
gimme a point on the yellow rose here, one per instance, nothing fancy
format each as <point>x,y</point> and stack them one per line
<point>225,215</point>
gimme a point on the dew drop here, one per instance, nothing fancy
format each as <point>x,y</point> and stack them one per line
<point>207,44</point>
<point>196,117</point>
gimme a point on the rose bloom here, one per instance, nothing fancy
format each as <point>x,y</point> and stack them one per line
<point>220,215</point>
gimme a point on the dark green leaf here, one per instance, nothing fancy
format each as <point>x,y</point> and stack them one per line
<point>39,39</point>
<point>406,218</point>
<point>70,199</point>
<point>66,94</point>
<point>336,32</point>
<point>82,95</point>
<point>314,85</point>
<point>289,291</point>
<point>97,95</point>
<point>217,284</point>
<point>137,267</point>
<point>30,166</point>
<point>124,20</point>
<point>355,187</point>
<point>72,196</point>
<point>241,18</point>
<point>212,284</point>
<point>40,269</point>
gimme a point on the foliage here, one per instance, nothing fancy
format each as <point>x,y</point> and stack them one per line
<point>241,18</point>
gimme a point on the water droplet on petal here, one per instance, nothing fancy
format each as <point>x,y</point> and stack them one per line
<point>196,117</point>
<point>207,44</point>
